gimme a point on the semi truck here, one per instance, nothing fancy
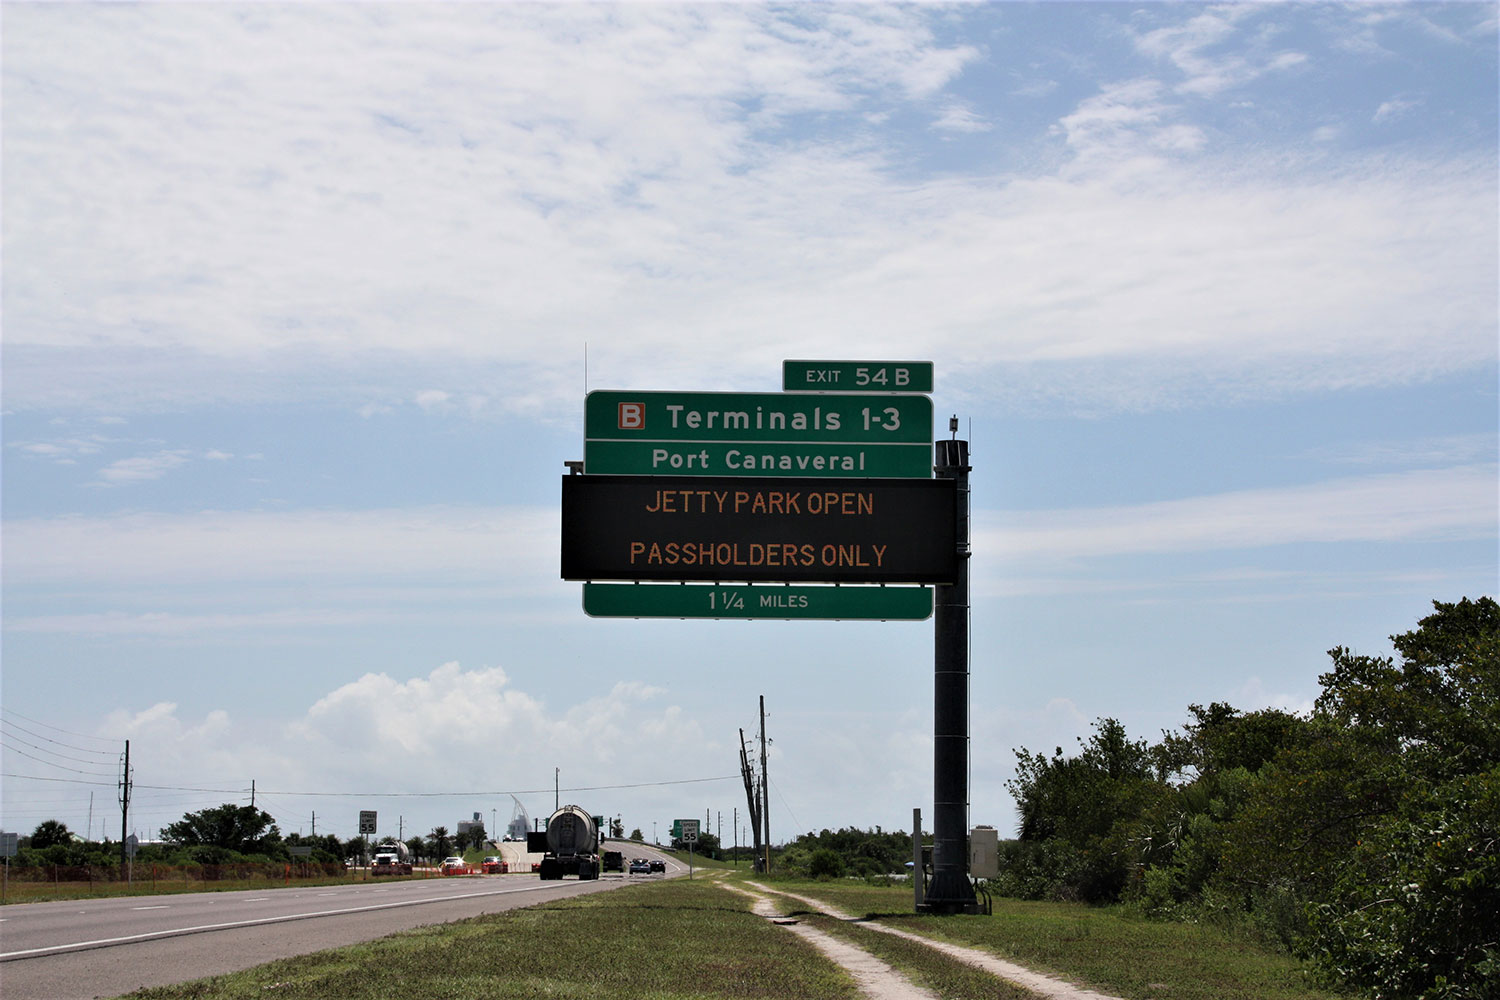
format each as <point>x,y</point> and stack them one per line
<point>568,845</point>
<point>391,858</point>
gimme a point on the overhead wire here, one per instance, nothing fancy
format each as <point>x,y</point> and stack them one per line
<point>58,729</point>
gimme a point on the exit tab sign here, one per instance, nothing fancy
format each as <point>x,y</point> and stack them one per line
<point>856,376</point>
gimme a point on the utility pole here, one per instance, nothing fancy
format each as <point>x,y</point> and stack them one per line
<point>124,806</point>
<point>765,785</point>
<point>752,798</point>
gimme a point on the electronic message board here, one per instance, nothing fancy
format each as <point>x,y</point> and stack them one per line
<point>715,528</point>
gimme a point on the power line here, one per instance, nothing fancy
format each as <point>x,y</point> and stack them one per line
<point>56,729</point>
<point>48,739</point>
<point>379,795</point>
<point>42,760</point>
<point>483,792</point>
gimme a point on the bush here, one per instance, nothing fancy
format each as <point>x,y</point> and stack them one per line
<point>1413,913</point>
<point>825,863</point>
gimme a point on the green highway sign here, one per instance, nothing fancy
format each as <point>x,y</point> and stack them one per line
<point>856,376</point>
<point>864,435</point>
<point>645,600</point>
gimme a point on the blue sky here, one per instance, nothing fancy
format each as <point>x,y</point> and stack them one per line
<point>301,304</point>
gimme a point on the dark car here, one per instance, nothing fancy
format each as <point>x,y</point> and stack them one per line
<point>639,866</point>
<point>658,865</point>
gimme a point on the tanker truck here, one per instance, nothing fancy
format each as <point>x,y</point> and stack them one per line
<point>391,858</point>
<point>569,844</point>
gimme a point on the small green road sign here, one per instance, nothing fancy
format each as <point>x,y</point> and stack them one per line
<point>747,601</point>
<point>757,434</point>
<point>856,376</point>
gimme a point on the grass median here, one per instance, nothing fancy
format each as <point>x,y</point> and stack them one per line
<point>670,940</point>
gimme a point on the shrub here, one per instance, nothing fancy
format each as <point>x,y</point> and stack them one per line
<point>825,863</point>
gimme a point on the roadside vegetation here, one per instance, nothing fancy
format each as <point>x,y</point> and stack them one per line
<point>1112,950</point>
<point>675,938</point>
<point>1362,839</point>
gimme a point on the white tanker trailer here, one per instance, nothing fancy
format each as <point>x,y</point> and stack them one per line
<point>392,858</point>
<point>569,845</point>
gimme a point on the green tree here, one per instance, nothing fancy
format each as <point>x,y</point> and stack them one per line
<point>49,832</point>
<point>439,844</point>
<point>825,863</point>
<point>242,829</point>
<point>1378,835</point>
<point>1082,808</point>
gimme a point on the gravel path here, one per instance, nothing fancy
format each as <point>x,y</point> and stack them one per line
<point>874,978</point>
<point>1046,986</point>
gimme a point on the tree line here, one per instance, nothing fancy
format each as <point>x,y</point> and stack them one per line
<point>1364,836</point>
<point>226,834</point>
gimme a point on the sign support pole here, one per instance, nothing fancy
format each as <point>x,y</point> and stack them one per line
<point>950,890</point>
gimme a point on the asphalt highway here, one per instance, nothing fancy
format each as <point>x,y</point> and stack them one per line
<point>106,947</point>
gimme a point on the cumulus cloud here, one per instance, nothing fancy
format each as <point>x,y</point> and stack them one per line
<point>427,748</point>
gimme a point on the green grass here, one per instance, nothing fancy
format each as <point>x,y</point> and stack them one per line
<point>669,940</point>
<point>1101,948</point>
<point>680,940</point>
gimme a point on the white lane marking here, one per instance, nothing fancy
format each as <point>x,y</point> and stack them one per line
<point>162,906</point>
<point>131,938</point>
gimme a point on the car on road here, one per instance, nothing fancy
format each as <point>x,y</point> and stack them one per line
<point>658,865</point>
<point>640,866</point>
<point>455,866</point>
<point>493,866</point>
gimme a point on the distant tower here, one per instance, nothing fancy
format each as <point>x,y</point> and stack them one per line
<point>520,823</point>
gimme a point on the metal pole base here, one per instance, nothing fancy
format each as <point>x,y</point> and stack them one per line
<point>950,892</point>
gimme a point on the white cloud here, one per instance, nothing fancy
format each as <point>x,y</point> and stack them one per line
<point>1394,109</point>
<point>142,468</point>
<point>424,749</point>
<point>1456,504</point>
<point>958,118</point>
<point>161,549</point>
<point>493,187</point>
<point>433,399</point>
<point>1253,695</point>
<point>1197,48</point>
